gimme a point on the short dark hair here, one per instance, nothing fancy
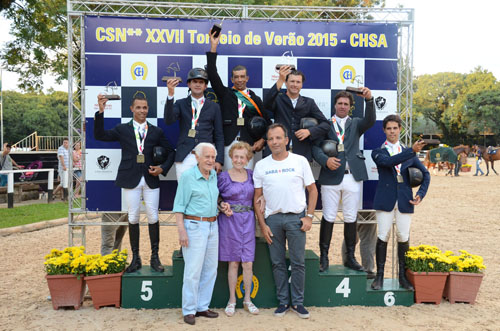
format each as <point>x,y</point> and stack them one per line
<point>344,94</point>
<point>8,145</point>
<point>139,95</point>
<point>392,118</point>
<point>296,73</point>
<point>278,125</point>
<point>238,68</point>
<point>65,138</point>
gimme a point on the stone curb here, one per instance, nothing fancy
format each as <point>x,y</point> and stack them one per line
<point>33,227</point>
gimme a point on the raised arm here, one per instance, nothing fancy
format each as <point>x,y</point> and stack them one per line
<point>171,111</point>
<point>99,132</point>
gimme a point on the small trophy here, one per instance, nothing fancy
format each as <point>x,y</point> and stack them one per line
<point>358,90</point>
<point>287,59</point>
<point>112,86</point>
<point>175,68</point>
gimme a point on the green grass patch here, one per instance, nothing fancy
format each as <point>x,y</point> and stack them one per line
<point>28,214</point>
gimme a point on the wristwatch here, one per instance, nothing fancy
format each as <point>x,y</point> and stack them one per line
<point>310,215</point>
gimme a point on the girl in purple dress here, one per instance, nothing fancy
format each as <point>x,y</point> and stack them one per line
<point>237,223</point>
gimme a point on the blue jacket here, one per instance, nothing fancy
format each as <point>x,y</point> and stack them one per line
<point>388,189</point>
<point>208,128</point>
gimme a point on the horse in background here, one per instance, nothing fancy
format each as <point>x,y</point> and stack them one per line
<point>436,167</point>
<point>490,155</point>
<point>432,166</point>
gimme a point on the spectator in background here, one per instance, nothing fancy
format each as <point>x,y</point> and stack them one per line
<point>479,159</point>
<point>77,167</point>
<point>6,163</point>
<point>63,158</point>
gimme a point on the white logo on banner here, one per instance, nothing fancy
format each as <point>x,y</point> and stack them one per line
<point>102,164</point>
<point>344,72</point>
<point>139,70</point>
<point>385,103</point>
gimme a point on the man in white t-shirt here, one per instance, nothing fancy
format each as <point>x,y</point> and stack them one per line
<point>282,178</point>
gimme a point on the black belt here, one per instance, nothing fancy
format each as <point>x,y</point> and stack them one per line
<point>240,208</point>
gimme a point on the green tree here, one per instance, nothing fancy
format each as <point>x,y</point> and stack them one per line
<point>482,110</point>
<point>39,29</point>
<point>433,97</point>
<point>39,44</point>
<point>26,113</point>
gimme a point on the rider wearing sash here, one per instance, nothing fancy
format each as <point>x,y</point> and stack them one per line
<point>341,177</point>
<point>238,105</point>
<point>394,196</point>
<point>136,173</point>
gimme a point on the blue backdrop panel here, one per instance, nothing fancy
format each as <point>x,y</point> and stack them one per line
<point>369,188</point>
<point>167,194</point>
<point>103,195</point>
<point>317,72</point>
<point>137,52</point>
<point>171,131</point>
<point>381,75</point>
<point>374,137</point>
<point>102,69</point>
<point>319,39</point>
<point>168,65</point>
<point>90,142</point>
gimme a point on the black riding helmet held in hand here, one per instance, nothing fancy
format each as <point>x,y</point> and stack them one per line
<point>416,176</point>
<point>257,127</point>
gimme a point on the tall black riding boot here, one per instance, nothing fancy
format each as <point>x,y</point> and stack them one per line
<point>325,237</point>
<point>154,238</point>
<point>403,281</point>
<point>380,254</point>
<point>133,232</point>
<point>350,230</point>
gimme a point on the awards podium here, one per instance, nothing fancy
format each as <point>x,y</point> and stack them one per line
<point>339,286</point>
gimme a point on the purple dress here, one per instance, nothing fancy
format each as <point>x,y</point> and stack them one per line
<point>236,233</point>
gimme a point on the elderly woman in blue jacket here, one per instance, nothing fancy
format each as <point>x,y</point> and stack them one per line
<point>394,196</point>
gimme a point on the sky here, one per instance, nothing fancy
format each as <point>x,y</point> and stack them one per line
<point>449,35</point>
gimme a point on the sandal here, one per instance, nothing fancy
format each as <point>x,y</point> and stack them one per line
<point>230,309</point>
<point>251,308</point>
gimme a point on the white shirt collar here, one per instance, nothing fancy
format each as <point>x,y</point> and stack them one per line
<point>139,126</point>
<point>396,147</point>
<point>198,101</point>
<point>294,101</point>
<point>341,121</point>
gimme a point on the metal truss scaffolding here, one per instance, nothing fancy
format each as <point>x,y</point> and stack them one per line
<point>78,217</point>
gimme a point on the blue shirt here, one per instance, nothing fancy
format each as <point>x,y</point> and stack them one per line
<point>196,196</point>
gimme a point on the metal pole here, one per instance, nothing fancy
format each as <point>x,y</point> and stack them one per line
<point>10,190</point>
<point>50,185</point>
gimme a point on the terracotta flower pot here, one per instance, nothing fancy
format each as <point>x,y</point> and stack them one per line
<point>105,289</point>
<point>462,287</point>
<point>66,290</point>
<point>428,286</point>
